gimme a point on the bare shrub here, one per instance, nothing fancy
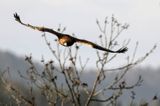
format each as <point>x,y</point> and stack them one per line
<point>60,80</point>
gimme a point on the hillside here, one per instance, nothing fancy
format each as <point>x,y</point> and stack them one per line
<point>150,75</point>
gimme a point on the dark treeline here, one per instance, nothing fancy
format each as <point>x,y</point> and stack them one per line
<point>146,92</point>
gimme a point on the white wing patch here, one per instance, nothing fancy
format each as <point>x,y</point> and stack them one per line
<point>86,43</point>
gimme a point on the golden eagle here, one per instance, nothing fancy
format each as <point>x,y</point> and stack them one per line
<point>67,40</point>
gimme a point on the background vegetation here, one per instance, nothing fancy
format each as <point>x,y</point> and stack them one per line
<point>61,81</point>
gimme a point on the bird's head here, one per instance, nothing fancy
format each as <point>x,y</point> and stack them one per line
<point>66,40</point>
<point>62,42</point>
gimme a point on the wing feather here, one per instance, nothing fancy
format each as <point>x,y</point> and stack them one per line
<point>43,29</point>
<point>93,45</point>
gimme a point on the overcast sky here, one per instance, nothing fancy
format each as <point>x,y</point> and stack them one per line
<point>79,16</point>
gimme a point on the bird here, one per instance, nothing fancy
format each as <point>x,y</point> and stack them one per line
<point>68,40</point>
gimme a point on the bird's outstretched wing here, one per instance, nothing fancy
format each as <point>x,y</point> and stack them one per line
<point>93,45</point>
<point>43,29</point>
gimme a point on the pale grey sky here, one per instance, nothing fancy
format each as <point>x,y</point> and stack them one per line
<point>79,17</point>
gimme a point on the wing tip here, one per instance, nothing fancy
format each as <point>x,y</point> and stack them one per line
<point>122,50</point>
<point>17,17</point>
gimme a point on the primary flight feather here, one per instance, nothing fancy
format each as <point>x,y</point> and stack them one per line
<point>67,40</point>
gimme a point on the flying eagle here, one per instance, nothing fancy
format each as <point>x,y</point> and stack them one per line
<point>67,40</point>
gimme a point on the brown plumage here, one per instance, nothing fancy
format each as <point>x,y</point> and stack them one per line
<point>67,40</point>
